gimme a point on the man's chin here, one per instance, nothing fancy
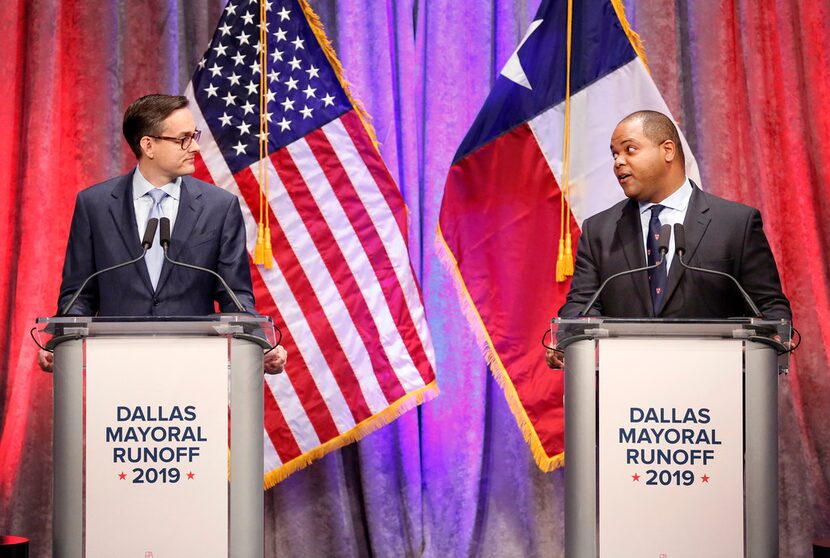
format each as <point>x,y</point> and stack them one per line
<point>630,191</point>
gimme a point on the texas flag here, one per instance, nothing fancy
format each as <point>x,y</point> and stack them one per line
<point>499,226</point>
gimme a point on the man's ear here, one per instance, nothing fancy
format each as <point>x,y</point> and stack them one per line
<point>669,151</point>
<point>146,144</point>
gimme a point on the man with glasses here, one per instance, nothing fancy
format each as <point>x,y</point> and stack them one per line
<point>207,230</point>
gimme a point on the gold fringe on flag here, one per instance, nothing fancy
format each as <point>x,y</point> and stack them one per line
<point>320,33</point>
<point>263,254</point>
<point>485,343</point>
<point>633,37</point>
<point>371,424</point>
<point>565,257</point>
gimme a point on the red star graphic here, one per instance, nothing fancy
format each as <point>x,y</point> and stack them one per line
<point>635,477</point>
<point>122,476</point>
<point>190,475</point>
<point>705,478</point>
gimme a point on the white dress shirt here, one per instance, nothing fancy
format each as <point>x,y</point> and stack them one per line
<point>674,212</point>
<point>143,204</point>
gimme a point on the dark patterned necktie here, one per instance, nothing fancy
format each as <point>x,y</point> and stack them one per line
<point>657,278</point>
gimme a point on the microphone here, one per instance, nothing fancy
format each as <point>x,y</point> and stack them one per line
<point>164,241</point>
<point>146,243</point>
<point>149,233</point>
<point>662,248</point>
<point>680,250</point>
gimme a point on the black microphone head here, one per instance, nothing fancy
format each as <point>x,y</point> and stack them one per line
<point>164,232</point>
<point>149,233</point>
<point>663,241</point>
<point>679,239</point>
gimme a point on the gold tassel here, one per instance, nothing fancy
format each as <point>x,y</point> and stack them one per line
<point>568,258</point>
<point>560,262</point>
<point>268,254</point>
<point>258,251</point>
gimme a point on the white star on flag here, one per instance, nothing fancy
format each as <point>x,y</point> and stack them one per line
<point>243,128</point>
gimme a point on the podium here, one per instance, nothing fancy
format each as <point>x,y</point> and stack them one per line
<point>671,436</point>
<point>157,441</point>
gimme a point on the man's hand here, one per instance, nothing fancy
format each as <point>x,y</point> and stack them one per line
<point>555,359</point>
<point>45,360</point>
<point>275,360</point>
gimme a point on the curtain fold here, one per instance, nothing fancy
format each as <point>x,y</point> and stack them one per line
<point>747,82</point>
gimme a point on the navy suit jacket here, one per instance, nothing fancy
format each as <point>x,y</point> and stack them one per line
<point>720,235</point>
<point>209,232</point>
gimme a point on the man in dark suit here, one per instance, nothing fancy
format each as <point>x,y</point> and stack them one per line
<point>722,235</point>
<point>206,224</point>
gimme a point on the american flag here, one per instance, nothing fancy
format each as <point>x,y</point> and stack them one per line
<point>341,286</point>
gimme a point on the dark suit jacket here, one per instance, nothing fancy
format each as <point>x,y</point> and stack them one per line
<point>209,231</point>
<point>720,235</point>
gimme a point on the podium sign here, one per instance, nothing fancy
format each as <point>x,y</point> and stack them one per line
<point>671,448</point>
<point>157,447</point>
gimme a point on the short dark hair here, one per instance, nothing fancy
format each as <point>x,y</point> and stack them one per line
<point>146,116</point>
<point>658,128</point>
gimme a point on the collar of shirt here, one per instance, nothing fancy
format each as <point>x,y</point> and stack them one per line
<point>679,200</point>
<point>675,212</point>
<point>141,186</point>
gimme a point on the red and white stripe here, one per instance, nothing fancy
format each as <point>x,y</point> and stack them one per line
<point>341,288</point>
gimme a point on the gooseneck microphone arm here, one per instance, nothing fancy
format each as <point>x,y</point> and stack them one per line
<point>146,243</point>
<point>662,248</point>
<point>680,250</point>
<point>164,240</point>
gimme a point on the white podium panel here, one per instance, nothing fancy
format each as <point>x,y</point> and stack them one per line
<point>670,448</point>
<point>157,447</point>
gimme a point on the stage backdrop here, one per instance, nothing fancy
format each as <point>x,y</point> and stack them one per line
<point>748,83</point>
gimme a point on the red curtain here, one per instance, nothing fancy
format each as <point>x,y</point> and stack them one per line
<point>68,71</point>
<point>749,82</point>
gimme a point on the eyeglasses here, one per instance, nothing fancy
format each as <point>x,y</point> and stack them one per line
<point>184,141</point>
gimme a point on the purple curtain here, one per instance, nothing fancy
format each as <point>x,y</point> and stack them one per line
<point>747,81</point>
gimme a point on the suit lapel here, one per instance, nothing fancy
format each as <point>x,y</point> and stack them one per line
<point>122,210</point>
<point>190,207</point>
<point>695,224</point>
<point>630,235</point>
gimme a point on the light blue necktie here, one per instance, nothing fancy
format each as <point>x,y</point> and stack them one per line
<point>155,255</point>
